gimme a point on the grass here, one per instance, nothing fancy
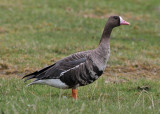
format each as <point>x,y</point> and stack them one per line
<point>37,33</point>
<point>95,98</point>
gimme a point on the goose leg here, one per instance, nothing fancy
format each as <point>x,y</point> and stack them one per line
<point>74,94</point>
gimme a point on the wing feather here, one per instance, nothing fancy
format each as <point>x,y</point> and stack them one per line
<point>54,71</point>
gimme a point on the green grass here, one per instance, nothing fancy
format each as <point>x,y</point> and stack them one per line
<point>56,29</point>
<point>96,98</point>
<point>36,33</point>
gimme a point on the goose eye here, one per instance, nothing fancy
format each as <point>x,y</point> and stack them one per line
<point>115,17</point>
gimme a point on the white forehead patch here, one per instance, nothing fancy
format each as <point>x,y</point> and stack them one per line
<point>120,19</point>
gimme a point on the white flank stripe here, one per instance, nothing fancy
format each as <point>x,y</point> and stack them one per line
<point>70,69</point>
<point>52,82</point>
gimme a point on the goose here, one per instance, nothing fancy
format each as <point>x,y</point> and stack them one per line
<point>81,68</point>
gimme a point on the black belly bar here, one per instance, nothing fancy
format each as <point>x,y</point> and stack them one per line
<point>81,78</point>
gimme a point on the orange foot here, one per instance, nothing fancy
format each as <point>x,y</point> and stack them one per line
<point>74,94</point>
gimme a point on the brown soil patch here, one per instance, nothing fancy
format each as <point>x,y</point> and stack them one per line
<point>123,72</point>
<point>7,70</point>
<point>3,66</point>
<point>134,71</point>
<point>3,30</point>
<point>106,15</point>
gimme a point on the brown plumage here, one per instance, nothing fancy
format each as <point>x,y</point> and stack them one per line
<point>81,68</point>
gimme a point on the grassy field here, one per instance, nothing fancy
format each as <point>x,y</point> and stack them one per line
<point>36,33</point>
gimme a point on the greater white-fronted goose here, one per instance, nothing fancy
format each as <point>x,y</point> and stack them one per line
<point>81,68</point>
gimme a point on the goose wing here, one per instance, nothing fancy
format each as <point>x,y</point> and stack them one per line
<point>55,70</point>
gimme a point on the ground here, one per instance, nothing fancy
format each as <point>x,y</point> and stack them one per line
<point>34,34</point>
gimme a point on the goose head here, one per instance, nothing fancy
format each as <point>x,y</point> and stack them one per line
<point>115,21</point>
